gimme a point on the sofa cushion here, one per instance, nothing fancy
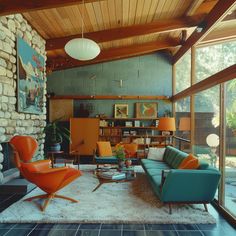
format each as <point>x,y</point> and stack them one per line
<point>104,149</point>
<point>173,156</point>
<point>151,164</point>
<point>156,153</point>
<point>187,159</point>
<point>192,164</point>
<point>152,172</point>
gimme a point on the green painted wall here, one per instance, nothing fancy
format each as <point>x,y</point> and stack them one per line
<point>143,75</point>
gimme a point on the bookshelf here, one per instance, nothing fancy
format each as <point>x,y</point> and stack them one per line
<point>127,130</point>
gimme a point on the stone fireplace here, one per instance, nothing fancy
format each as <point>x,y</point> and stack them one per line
<point>11,121</point>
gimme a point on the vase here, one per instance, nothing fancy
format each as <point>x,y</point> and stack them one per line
<point>121,164</point>
<point>128,163</point>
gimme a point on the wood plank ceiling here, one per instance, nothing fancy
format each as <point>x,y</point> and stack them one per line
<point>123,28</point>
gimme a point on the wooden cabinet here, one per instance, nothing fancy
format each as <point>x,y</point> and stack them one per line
<point>84,135</point>
<point>143,131</point>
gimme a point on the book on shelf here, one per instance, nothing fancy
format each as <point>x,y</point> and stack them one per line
<point>114,175</point>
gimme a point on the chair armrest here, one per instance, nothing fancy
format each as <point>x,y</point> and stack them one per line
<point>190,185</point>
<point>41,164</point>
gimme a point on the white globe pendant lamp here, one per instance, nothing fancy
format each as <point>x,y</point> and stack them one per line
<point>82,49</point>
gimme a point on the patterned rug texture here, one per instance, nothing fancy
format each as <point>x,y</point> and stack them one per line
<point>127,202</point>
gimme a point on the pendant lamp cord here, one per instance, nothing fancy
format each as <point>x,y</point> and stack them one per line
<point>83,20</point>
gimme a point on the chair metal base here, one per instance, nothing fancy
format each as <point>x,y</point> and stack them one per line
<point>48,198</point>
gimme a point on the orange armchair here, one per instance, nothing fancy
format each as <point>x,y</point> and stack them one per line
<point>50,180</point>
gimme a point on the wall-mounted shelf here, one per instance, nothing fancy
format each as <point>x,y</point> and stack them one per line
<point>109,97</point>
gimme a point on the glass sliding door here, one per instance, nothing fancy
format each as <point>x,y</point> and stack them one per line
<point>229,198</point>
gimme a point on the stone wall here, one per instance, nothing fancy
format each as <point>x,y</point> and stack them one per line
<point>12,122</point>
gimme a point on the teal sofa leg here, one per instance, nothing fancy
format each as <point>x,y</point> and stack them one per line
<point>170,209</point>
<point>205,206</point>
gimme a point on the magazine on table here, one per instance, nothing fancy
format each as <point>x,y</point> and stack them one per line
<point>112,175</point>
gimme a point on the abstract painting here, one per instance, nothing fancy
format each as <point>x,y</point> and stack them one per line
<point>146,110</point>
<point>121,111</point>
<point>30,79</point>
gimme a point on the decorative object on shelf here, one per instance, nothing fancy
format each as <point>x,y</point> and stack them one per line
<point>55,134</point>
<point>146,110</point>
<point>82,49</point>
<point>121,111</point>
<point>30,79</point>
<point>128,124</point>
<point>137,123</point>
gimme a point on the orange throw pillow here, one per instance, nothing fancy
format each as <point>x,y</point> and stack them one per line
<point>104,149</point>
<point>131,149</point>
<point>187,159</point>
<point>191,165</point>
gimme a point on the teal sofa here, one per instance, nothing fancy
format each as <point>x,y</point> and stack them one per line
<point>173,185</point>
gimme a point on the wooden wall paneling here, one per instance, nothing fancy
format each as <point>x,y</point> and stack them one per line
<point>193,7</point>
<point>98,15</point>
<point>105,14</point>
<point>139,12</point>
<point>118,9</point>
<point>92,16</point>
<point>112,13</point>
<point>84,135</point>
<point>60,109</point>
<point>125,12</point>
<point>152,11</point>
<point>132,11</point>
<point>146,11</point>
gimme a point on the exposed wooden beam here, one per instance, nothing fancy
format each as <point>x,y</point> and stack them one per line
<point>218,78</point>
<point>20,6</point>
<point>193,7</point>
<point>216,14</point>
<point>110,97</point>
<point>129,31</point>
<point>113,54</point>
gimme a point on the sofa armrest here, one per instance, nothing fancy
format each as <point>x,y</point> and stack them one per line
<point>190,185</point>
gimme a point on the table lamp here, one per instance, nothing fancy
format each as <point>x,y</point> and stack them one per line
<point>166,125</point>
<point>184,125</point>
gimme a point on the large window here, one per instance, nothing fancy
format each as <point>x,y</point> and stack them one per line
<point>212,59</point>
<point>214,119</point>
<point>229,198</point>
<point>183,73</point>
<point>206,128</point>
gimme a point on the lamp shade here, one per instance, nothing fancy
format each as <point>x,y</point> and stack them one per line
<point>167,124</point>
<point>184,123</point>
<point>82,49</point>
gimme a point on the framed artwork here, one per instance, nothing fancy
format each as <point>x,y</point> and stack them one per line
<point>121,111</point>
<point>30,79</point>
<point>146,110</point>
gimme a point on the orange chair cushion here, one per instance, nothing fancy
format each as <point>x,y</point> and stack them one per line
<point>104,149</point>
<point>131,148</point>
<point>192,163</point>
<point>187,159</point>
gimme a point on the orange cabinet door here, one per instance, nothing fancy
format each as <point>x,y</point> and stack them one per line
<point>84,135</point>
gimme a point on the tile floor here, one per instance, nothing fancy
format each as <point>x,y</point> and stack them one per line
<point>221,228</point>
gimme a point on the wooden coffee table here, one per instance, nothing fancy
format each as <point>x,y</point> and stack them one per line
<point>130,175</point>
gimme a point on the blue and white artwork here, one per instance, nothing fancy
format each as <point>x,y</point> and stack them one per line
<point>30,84</point>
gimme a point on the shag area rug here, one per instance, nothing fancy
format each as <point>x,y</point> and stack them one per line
<point>127,202</point>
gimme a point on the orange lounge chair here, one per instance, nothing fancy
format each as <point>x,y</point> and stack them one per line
<point>50,180</point>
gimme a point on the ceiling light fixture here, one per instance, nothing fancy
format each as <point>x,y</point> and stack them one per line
<point>82,49</point>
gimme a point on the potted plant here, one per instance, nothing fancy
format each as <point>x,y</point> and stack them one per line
<point>120,154</point>
<point>55,134</point>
